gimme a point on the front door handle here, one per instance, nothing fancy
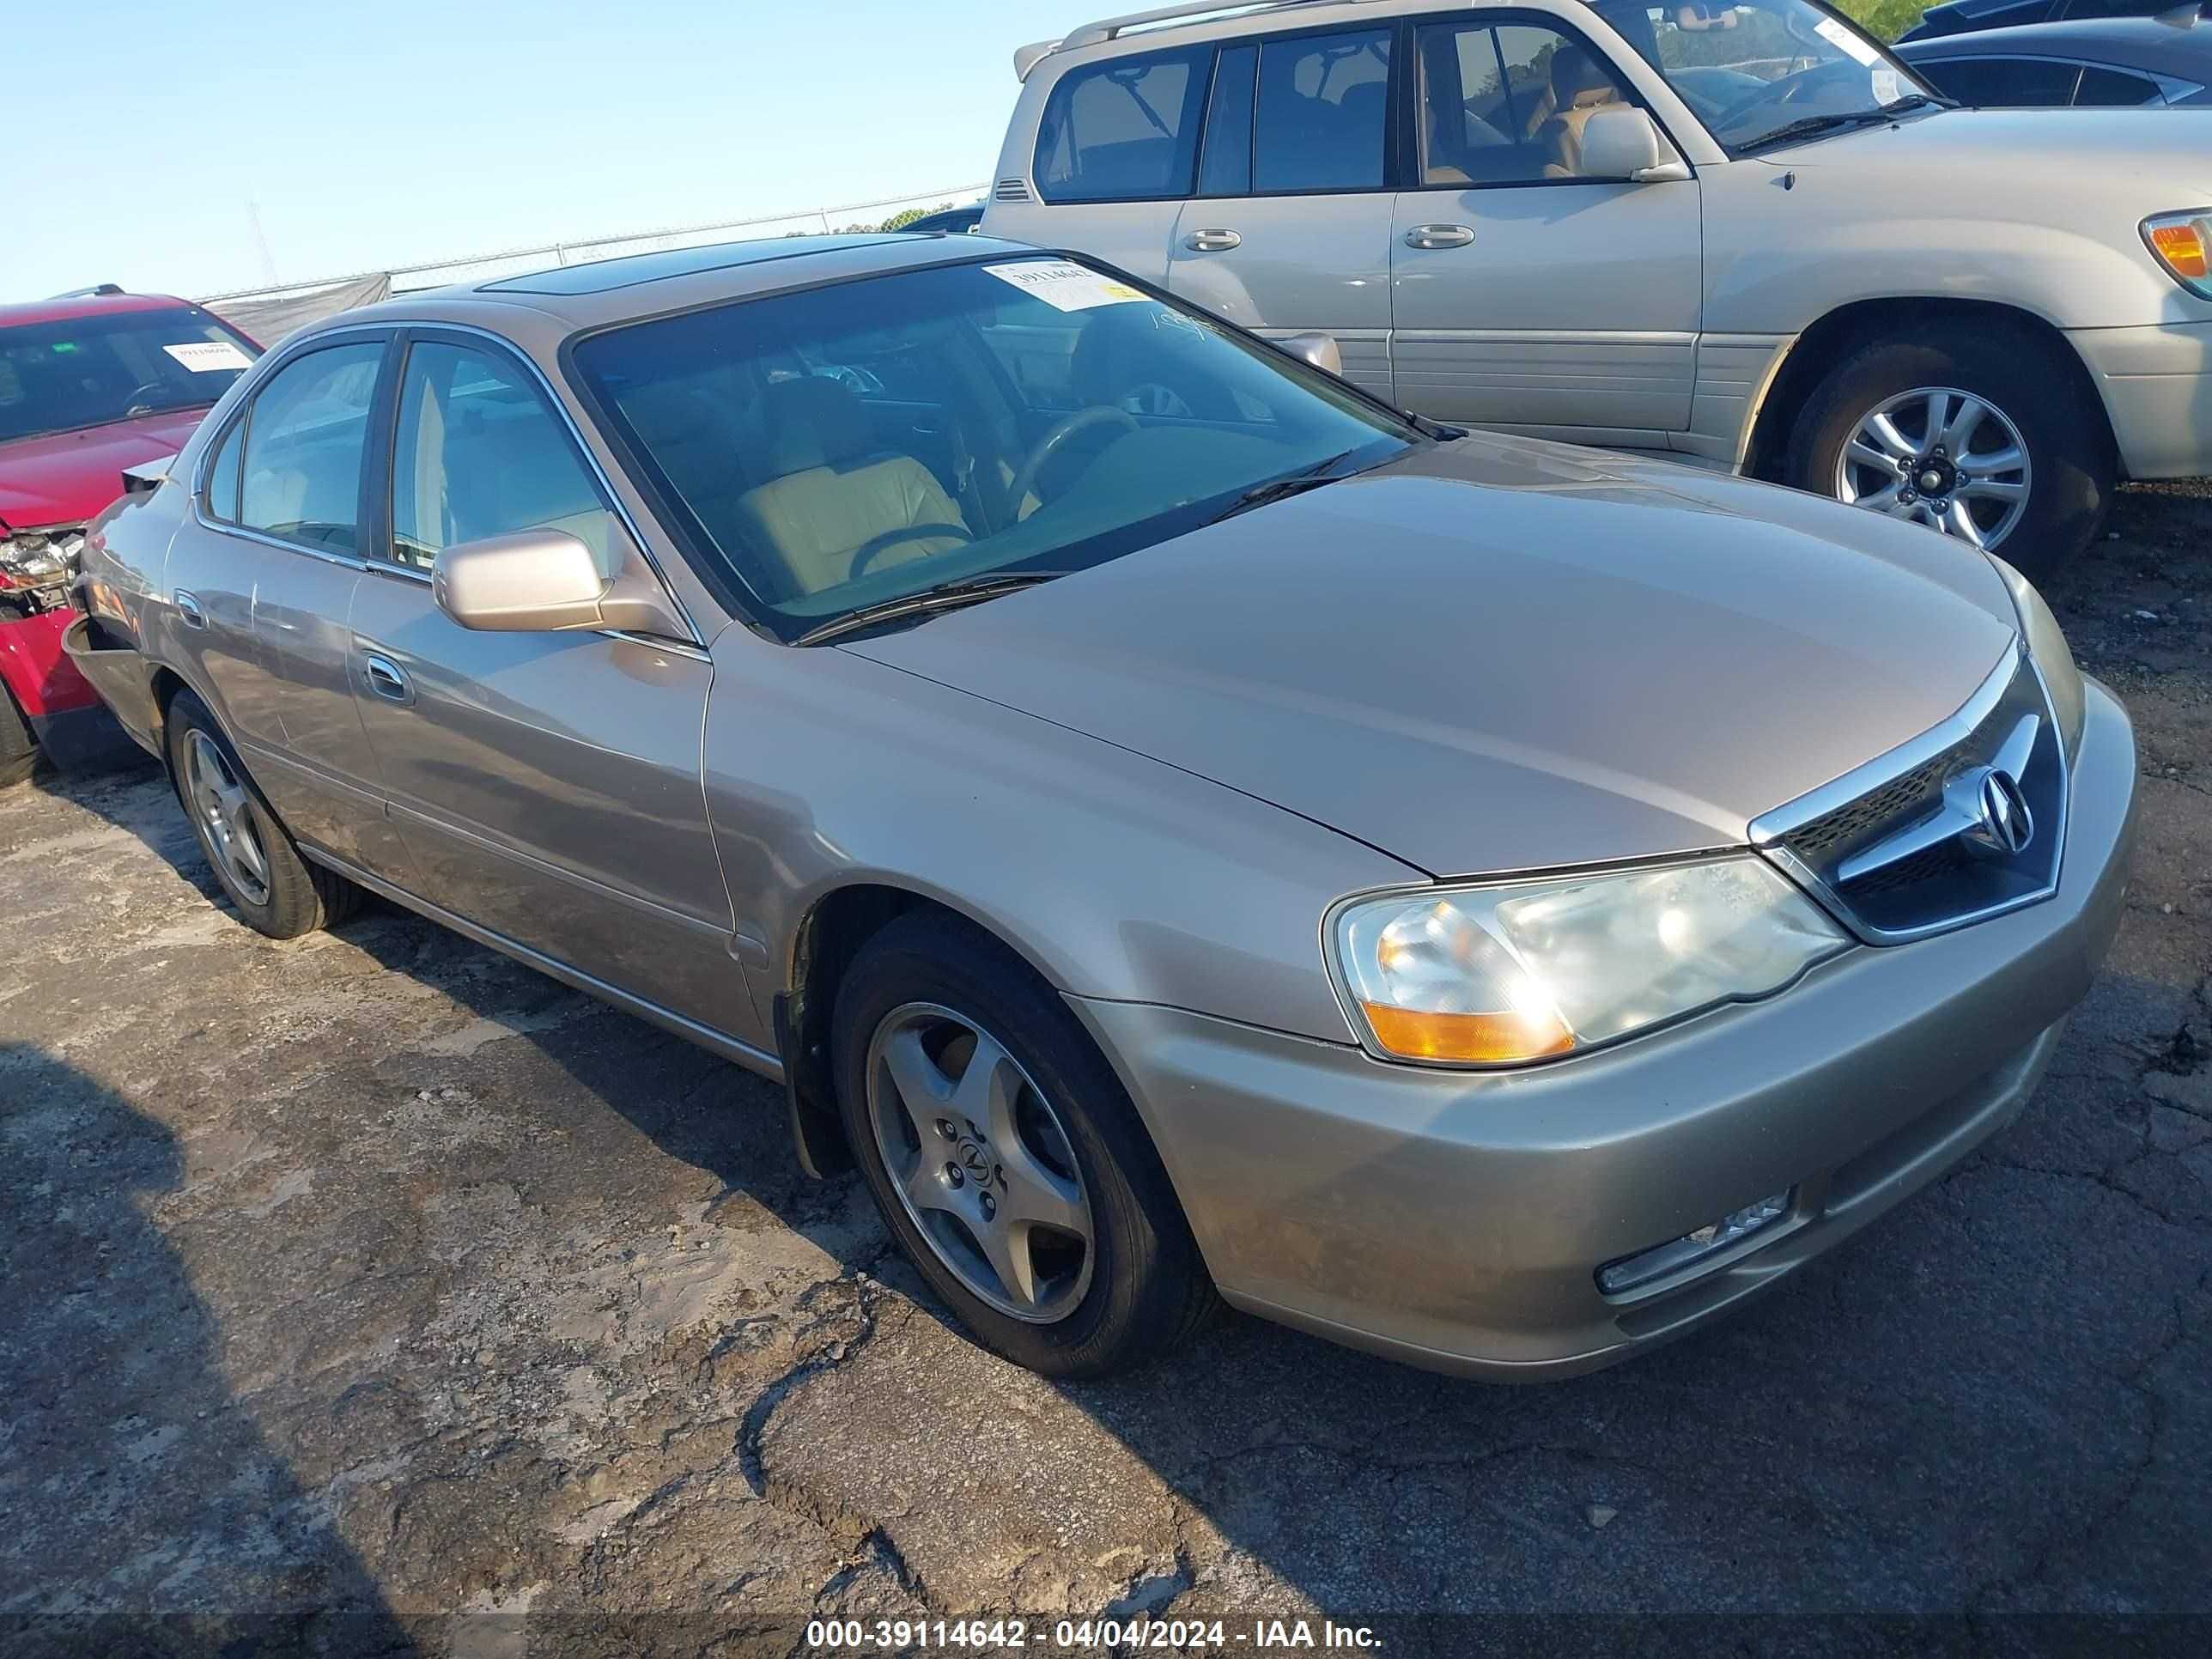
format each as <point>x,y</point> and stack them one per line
<point>1213,242</point>
<point>386,679</point>
<point>189,611</point>
<point>1439,236</point>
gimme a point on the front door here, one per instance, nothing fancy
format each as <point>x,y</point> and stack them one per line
<point>547,785</point>
<point>1291,229</point>
<point>1526,293</point>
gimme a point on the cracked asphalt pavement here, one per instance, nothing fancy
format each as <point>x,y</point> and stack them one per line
<point>372,1293</point>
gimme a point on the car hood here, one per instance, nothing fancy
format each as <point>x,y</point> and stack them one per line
<point>2030,156</point>
<point>64,478</point>
<point>1500,654</point>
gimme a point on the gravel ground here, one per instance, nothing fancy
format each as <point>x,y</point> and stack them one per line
<point>372,1293</point>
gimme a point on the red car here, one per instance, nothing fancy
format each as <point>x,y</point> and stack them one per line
<point>89,384</point>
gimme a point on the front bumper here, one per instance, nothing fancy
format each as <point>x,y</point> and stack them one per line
<point>1457,1221</point>
<point>2156,382</point>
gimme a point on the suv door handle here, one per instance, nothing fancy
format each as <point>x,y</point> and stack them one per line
<point>1439,236</point>
<point>386,679</point>
<point>1213,242</point>
<point>189,609</point>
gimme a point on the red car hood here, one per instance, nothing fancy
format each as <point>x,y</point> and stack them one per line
<point>65,477</point>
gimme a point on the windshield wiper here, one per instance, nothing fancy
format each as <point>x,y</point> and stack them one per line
<point>1291,483</point>
<point>1812,126</point>
<point>945,596</point>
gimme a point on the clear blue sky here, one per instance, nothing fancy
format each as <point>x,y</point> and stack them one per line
<point>398,130</point>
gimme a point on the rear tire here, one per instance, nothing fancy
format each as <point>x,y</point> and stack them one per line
<point>2070,468</point>
<point>19,750</point>
<point>254,856</point>
<point>1143,1288</point>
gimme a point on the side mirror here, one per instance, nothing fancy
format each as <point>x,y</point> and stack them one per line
<point>546,582</point>
<point>1319,349</point>
<point>1622,142</point>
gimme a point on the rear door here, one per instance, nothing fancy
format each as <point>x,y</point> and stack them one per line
<point>263,578</point>
<point>547,785</point>
<point>1291,229</point>
<point>1526,293</point>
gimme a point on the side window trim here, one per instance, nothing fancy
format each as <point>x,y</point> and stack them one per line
<point>240,421</point>
<point>385,440</point>
<point>1490,22</point>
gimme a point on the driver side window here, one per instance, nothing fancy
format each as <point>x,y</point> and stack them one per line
<point>1508,105</point>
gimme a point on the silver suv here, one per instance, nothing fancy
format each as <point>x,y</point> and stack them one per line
<point>1746,235</point>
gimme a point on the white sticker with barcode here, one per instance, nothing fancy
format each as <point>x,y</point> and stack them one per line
<point>207,356</point>
<point>1065,285</point>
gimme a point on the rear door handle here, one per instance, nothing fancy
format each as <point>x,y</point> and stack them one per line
<point>189,611</point>
<point>386,679</point>
<point>1213,242</point>
<point>1439,236</point>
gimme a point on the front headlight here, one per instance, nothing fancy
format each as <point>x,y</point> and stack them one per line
<point>2046,643</point>
<point>2182,244</point>
<point>1525,971</point>
<point>34,557</point>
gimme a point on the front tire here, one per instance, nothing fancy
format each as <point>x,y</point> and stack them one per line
<point>254,856</point>
<point>1006,1157</point>
<point>1976,433</point>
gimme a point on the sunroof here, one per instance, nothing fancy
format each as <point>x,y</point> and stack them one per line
<point>605,276</point>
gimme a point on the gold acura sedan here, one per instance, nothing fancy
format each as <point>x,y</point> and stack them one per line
<point>1185,828</point>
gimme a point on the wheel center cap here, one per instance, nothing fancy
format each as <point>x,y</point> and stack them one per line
<point>975,1157</point>
<point>1934,478</point>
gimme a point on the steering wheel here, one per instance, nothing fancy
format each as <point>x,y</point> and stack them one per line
<point>875,546</point>
<point>1791,88</point>
<point>1048,446</point>
<point>131,405</point>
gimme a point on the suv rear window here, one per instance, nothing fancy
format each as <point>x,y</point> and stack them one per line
<point>1125,130</point>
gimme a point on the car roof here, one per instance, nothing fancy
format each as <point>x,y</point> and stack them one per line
<point>539,309</point>
<point>2142,43</point>
<point>66,308</point>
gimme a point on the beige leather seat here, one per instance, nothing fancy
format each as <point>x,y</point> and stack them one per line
<point>835,500</point>
<point>1580,87</point>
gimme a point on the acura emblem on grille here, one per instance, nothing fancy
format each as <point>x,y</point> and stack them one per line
<point>2005,826</point>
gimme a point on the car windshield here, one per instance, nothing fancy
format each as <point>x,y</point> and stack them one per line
<point>1766,69</point>
<point>863,442</point>
<point>114,366</point>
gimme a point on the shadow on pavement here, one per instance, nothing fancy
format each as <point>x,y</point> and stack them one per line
<point>145,1512</point>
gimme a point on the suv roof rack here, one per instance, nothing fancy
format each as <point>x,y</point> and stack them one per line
<point>99,291</point>
<point>1109,28</point>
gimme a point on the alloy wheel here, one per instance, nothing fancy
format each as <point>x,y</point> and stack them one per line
<point>980,1162</point>
<point>218,799</point>
<point>1939,457</point>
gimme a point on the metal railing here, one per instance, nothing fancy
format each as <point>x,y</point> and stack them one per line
<point>476,267</point>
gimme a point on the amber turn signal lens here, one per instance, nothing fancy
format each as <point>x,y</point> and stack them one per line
<point>2182,247</point>
<point>1490,1039</point>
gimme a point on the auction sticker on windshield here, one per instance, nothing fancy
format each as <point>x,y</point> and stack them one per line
<point>206,356</point>
<point>1065,285</point>
<point>1840,37</point>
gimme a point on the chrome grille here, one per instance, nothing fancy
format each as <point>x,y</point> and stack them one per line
<point>1903,847</point>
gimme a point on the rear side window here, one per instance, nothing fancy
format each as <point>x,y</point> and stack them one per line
<point>2001,82</point>
<point>2116,88</point>
<point>1125,130</point>
<point>479,454</point>
<point>1226,168</point>
<point>304,442</point>
<point>1323,109</point>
